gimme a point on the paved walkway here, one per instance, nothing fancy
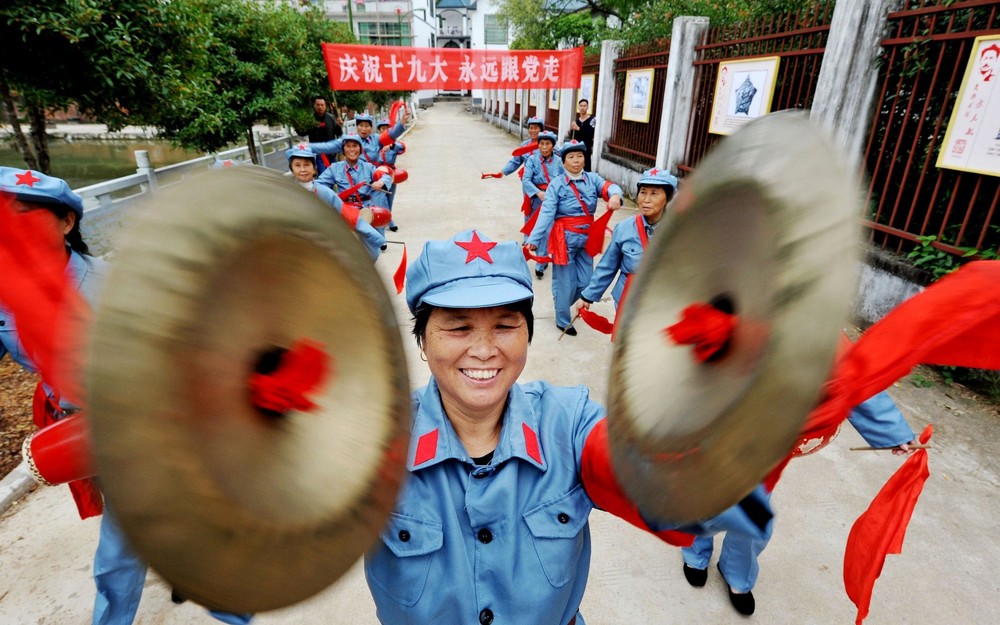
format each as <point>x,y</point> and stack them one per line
<point>947,573</point>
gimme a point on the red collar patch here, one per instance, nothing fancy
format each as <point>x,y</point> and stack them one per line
<point>531,443</point>
<point>426,448</point>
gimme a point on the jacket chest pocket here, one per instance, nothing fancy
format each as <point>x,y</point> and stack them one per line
<point>558,531</point>
<point>631,256</point>
<point>399,565</point>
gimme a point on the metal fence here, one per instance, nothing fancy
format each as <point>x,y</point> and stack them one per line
<point>636,141</point>
<point>909,198</point>
<point>799,39</point>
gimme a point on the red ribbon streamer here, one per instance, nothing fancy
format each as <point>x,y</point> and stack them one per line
<point>301,370</point>
<point>346,193</point>
<point>881,529</point>
<point>595,238</point>
<point>598,322</point>
<point>484,176</point>
<point>538,259</point>
<point>399,278</point>
<point>705,327</point>
<point>394,111</point>
<point>525,149</point>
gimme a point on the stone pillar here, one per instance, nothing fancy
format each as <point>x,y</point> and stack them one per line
<point>605,104</point>
<point>144,167</point>
<point>847,78</point>
<point>522,98</point>
<point>678,94</point>
<point>567,112</point>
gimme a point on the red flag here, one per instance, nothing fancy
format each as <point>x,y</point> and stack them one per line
<point>51,315</point>
<point>530,224</point>
<point>595,238</point>
<point>538,259</point>
<point>346,193</point>
<point>399,277</point>
<point>596,321</point>
<point>880,530</point>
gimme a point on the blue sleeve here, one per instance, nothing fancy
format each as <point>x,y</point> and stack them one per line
<point>370,237</point>
<point>328,147</point>
<point>512,165</point>
<point>327,179</point>
<point>880,423</point>
<point>607,268</point>
<point>329,197</point>
<point>540,234</point>
<point>397,130</point>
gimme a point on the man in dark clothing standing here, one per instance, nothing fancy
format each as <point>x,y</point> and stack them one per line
<point>583,131</point>
<point>326,128</point>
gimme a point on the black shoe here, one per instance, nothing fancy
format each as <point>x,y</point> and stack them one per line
<point>384,247</point>
<point>743,602</point>
<point>176,598</point>
<point>571,331</point>
<point>539,274</point>
<point>695,577</point>
<point>393,228</point>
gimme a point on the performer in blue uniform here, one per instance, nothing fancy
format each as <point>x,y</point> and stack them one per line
<point>491,525</point>
<point>879,422</point>
<point>369,143</point>
<point>535,126</point>
<point>631,237</point>
<point>119,574</point>
<point>540,169</point>
<point>345,174</point>
<point>563,224</point>
<point>302,162</point>
<point>387,156</point>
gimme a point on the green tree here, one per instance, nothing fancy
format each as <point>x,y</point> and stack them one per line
<point>116,60</point>
<point>263,63</point>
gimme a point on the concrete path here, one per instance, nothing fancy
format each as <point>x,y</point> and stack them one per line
<point>947,573</point>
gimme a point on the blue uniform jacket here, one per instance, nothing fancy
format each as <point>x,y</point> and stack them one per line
<point>516,161</point>
<point>86,273</point>
<point>389,155</point>
<point>560,201</point>
<point>370,237</point>
<point>506,543</point>
<point>535,169</point>
<point>341,175</point>
<point>622,257</point>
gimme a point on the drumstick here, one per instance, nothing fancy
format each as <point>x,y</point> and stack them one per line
<point>569,326</point>
<point>916,446</point>
<point>396,242</point>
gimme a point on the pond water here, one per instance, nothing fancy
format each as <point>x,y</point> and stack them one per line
<point>84,162</point>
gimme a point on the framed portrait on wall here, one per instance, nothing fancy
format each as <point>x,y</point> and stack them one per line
<point>586,91</point>
<point>532,97</point>
<point>743,92</point>
<point>972,141</point>
<point>554,99</point>
<point>638,95</point>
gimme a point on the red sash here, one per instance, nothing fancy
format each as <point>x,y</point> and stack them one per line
<point>557,238</point>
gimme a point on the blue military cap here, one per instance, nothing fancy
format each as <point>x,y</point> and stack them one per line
<point>572,146</point>
<point>352,137</point>
<point>538,121</point>
<point>300,151</point>
<point>657,178</point>
<point>363,117</point>
<point>468,271</point>
<point>547,134</point>
<point>381,122</point>
<point>36,187</point>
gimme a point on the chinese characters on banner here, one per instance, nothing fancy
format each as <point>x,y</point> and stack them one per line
<point>394,68</point>
<point>972,142</point>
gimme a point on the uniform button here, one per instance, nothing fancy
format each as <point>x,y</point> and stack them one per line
<point>563,518</point>
<point>404,535</point>
<point>2,323</point>
<point>485,536</point>
<point>486,616</point>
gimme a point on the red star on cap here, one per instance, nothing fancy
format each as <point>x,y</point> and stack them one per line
<point>27,178</point>
<point>654,172</point>
<point>476,248</point>
<point>302,146</point>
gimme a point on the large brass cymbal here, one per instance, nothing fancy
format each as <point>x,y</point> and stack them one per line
<point>237,510</point>
<point>769,225</point>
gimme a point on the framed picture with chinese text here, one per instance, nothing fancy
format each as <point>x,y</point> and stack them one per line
<point>972,141</point>
<point>743,92</point>
<point>586,91</point>
<point>638,95</point>
<point>554,99</point>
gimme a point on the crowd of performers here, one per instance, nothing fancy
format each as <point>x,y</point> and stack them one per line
<point>511,545</point>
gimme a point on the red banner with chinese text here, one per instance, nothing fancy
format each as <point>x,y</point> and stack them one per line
<point>395,68</point>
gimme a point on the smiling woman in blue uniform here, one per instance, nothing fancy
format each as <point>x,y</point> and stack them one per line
<point>492,525</point>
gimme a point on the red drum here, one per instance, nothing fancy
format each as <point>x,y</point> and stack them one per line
<point>380,216</point>
<point>61,452</point>
<point>383,170</point>
<point>401,175</point>
<point>352,212</point>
